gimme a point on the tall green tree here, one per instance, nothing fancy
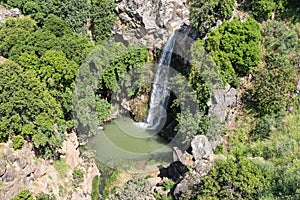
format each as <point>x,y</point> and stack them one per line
<point>235,48</point>
<point>27,108</point>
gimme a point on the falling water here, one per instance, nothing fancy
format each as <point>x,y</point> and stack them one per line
<point>160,92</point>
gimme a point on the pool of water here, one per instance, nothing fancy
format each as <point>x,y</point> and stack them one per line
<point>123,140</point>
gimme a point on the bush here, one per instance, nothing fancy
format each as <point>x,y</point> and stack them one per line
<point>23,195</point>
<point>95,187</point>
<point>205,14</point>
<point>43,196</point>
<point>18,141</point>
<point>233,178</point>
<point>77,176</point>
<point>235,48</point>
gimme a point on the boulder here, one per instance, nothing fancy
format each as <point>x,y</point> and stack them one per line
<point>6,153</point>
<point>201,148</point>
<point>9,175</point>
<point>154,181</point>
<point>2,167</point>
<point>40,171</point>
<point>12,158</point>
<point>20,163</point>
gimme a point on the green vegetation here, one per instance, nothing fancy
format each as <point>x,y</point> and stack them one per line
<point>233,178</point>
<point>260,46</point>
<point>95,188</point>
<point>205,14</point>
<point>23,195</point>
<point>96,15</point>
<point>43,196</point>
<point>18,141</point>
<point>77,175</point>
<point>235,49</point>
<point>62,167</point>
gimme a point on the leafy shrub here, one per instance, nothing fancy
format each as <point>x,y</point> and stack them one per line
<point>95,187</point>
<point>43,196</point>
<point>18,141</point>
<point>233,178</point>
<point>235,48</point>
<point>77,176</point>
<point>23,195</point>
<point>205,14</point>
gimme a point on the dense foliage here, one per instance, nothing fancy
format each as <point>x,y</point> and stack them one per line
<point>233,178</point>
<point>234,47</point>
<point>28,109</point>
<point>96,16</point>
<point>205,14</point>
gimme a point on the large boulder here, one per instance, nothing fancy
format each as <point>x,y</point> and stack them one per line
<point>202,148</point>
<point>9,175</point>
<point>149,22</point>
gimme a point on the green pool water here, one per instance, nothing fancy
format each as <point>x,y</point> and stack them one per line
<point>124,140</point>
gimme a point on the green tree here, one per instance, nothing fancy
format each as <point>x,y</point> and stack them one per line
<point>234,46</point>
<point>233,178</point>
<point>57,26</point>
<point>273,86</point>
<point>103,18</point>
<point>27,108</point>
<point>205,14</point>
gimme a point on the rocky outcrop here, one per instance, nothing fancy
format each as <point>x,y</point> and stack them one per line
<point>149,22</point>
<point>202,148</point>
<point>222,102</point>
<point>191,178</point>
<point>20,169</point>
<point>139,106</point>
<point>5,13</point>
<point>202,152</point>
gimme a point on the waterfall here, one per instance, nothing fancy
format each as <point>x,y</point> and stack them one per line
<point>160,92</point>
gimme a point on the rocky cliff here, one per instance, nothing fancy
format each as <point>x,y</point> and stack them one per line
<point>21,169</point>
<point>149,22</point>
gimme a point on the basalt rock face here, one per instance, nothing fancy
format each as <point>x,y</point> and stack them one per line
<point>21,169</point>
<point>149,22</point>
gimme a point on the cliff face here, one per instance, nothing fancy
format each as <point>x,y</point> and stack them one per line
<point>21,169</point>
<point>149,22</point>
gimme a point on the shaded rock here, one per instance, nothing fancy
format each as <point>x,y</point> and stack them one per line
<point>174,171</point>
<point>40,171</point>
<point>6,153</point>
<point>221,102</point>
<point>2,167</point>
<point>201,148</point>
<point>9,175</point>
<point>11,158</point>
<point>20,163</point>
<point>192,178</point>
